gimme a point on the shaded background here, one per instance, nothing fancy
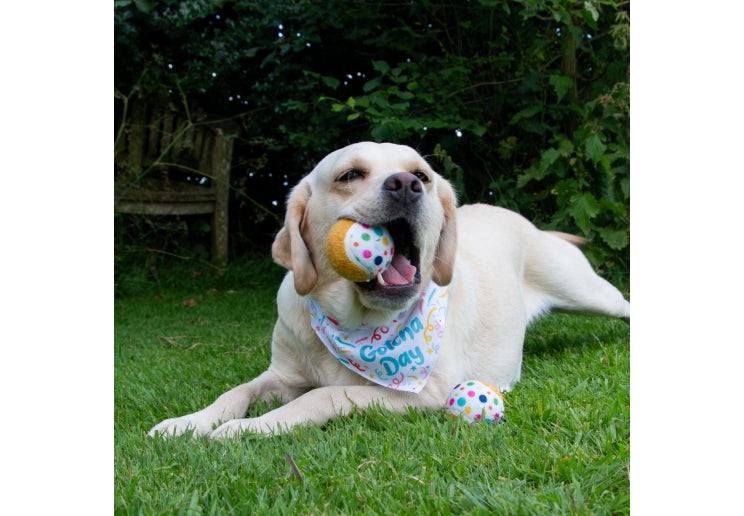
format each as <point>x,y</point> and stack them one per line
<point>521,103</point>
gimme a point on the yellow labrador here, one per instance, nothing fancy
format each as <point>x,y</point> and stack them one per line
<point>502,273</point>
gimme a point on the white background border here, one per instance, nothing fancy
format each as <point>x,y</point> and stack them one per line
<point>686,256</point>
<point>56,268</point>
<point>56,265</point>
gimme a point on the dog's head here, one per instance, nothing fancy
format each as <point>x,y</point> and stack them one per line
<point>377,184</point>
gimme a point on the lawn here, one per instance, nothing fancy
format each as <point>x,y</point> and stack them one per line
<point>184,341</point>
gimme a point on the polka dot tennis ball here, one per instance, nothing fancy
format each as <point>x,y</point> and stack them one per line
<point>359,252</point>
<point>476,401</point>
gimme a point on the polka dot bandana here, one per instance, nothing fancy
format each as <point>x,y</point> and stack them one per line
<point>369,247</point>
<point>476,401</point>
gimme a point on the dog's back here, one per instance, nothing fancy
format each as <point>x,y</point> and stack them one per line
<point>507,273</point>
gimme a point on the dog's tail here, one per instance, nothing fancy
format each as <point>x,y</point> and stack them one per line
<point>572,239</point>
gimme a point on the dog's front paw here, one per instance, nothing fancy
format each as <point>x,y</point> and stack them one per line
<point>234,428</point>
<point>180,425</point>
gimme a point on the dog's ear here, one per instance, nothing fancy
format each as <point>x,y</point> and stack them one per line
<point>289,249</point>
<point>444,258</point>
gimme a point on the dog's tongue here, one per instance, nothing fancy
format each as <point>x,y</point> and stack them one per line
<point>400,272</point>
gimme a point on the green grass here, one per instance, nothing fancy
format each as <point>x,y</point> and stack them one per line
<point>563,448</point>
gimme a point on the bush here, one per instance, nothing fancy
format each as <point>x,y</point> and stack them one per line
<point>520,103</point>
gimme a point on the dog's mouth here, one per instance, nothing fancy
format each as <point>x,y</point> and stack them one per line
<point>403,274</point>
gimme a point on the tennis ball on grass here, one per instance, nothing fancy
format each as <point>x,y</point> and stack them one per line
<point>476,401</point>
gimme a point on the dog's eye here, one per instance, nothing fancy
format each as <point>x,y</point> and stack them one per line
<point>423,177</point>
<point>351,175</point>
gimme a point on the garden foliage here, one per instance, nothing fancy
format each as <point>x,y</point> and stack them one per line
<point>520,103</point>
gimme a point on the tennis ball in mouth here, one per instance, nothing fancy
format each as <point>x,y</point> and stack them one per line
<point>357,251</point>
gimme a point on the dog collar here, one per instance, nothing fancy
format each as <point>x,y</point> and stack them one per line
<point>400,354</point>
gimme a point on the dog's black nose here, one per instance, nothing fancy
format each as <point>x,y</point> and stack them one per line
<point>403,187</point>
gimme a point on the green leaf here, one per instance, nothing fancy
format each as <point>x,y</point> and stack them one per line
<point>561,85</point>
<point>353,116</point>
<point>625,187</point>
<point>526,113</point>
<point>594,147</point>
<point>548,158</point>
<point>583,208</point>
<point>144,6</point>
<point>251,52</point>
<point>381,66</point>
<point>337,108</point>
<point>406,95</point>
<point>270,58</point>
<point>331,82</point>
<point>380,133</point>
<point>478,130</point>
<point>565,148</point>
<point>533,126</point>
<point>615,238</point>
<point>592,10</point>
<point>533,173</point>
<point>351,102</point>
<point>371,85</point>
<point>564,190</point>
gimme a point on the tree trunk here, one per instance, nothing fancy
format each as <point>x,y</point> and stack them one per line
<point>222,149</point>
<point>568,64</point>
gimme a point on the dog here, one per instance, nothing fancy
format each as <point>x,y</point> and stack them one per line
<point>500,271</point>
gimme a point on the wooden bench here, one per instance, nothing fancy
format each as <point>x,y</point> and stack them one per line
<point>166,164</point>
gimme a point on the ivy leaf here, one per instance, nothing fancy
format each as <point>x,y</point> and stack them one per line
<point>594,147</point>
<point>583,208</point>
<point>561,85</point>
<point>331,82</point>
<point>353,116</point>
<point>615,238</point>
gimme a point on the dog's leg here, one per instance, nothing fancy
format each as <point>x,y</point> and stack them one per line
<point>320,405</point>
<point>230,405</point>
<point>558,274</point>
